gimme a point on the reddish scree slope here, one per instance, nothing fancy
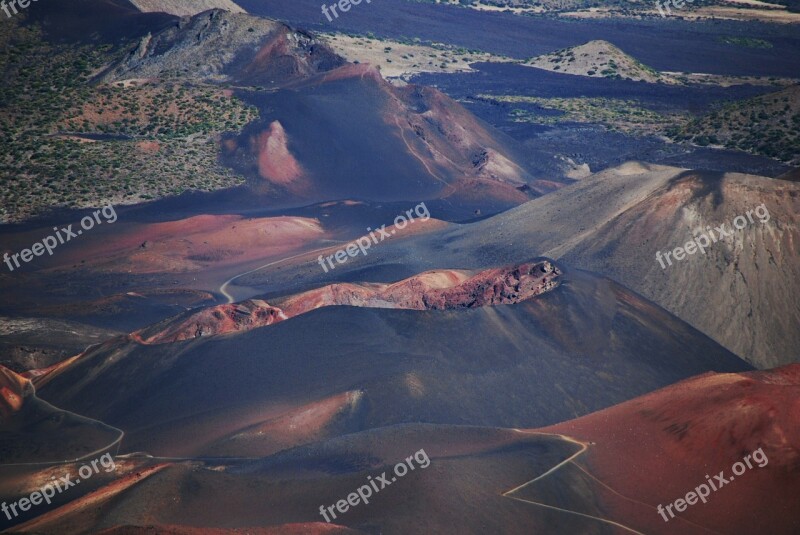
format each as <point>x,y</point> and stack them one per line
<point>451,136</point>
<point>657,448</point>
<point>432,290</point>
<point>196,243</point>
<point>13,391</point>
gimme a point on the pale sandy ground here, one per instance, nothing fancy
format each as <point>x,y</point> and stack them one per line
<point>756,10</point>
<point>765,15</point>
<point>133,82</point>
<point>712,12</point>
<point>183,8</point>
<point>404,60</point>
<point>594,56</point>
<point>727,81</point>
<point>756,3</point>
<point>515,10</point>
<point>484,7</point>
<point>407,60</point>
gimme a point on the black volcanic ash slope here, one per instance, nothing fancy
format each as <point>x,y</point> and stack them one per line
<point>588,344</point>
<point>743,292</point>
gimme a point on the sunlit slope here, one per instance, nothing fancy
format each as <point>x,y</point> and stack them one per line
<point>741,292</point>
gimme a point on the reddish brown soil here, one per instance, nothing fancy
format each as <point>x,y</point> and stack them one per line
<point>275,163</point>
<point>110,108</point>
<point>14,389</point>
<point>438,290</point>
<point>42,376</point>
<point>352,71</point>
<point>476,189</point>
<point>148,147</point>
<point>194,243</point>
<point>657,448</point>
<point>286,59</point>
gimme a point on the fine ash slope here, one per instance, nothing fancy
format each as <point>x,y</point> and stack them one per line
<point>348,133</point>
<point>460,491</point>
<point>603,473</point>
<point>742,292</point>
<point>33,431</point>
<point>587,342</point>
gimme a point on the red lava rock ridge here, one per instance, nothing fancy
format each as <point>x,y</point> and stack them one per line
<point>431,290</point>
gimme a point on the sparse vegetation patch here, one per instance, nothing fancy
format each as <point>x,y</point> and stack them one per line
<point>65,142</point>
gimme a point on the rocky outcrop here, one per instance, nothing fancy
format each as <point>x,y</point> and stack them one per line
<point>221,319</point>
<point>433,290</point>
<point>221,46</point>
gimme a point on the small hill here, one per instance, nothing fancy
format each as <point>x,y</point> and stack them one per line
<point>598,59</point>
<point>675,436</point>
<point>184,8</point>
<point>218,46</point>
<point>614,222</point>
<point>768,125</point>
<point>588,342</point>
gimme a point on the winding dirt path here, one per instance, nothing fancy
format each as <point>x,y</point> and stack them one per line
<point>584,446</point>
<point>229,297</point>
